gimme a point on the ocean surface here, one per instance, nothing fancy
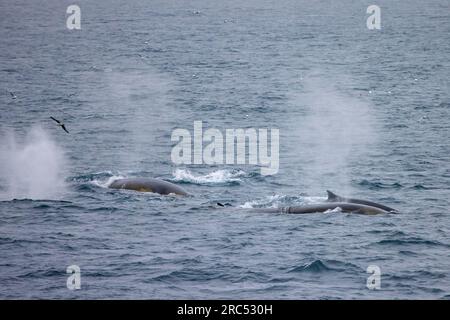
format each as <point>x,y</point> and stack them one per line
<point>364,113</point>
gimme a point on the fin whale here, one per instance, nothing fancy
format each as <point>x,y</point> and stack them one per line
<point>148,185</point>
<point>334,201</point>
<point>332,197</point>
<point>323,207</point>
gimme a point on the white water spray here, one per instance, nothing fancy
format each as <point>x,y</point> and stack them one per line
<point>31,169</point>
<point>334,135</point>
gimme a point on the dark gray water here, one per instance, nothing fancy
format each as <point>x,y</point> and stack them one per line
<point>362,112</point>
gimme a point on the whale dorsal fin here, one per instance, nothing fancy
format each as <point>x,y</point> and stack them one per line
<point>332,196</point>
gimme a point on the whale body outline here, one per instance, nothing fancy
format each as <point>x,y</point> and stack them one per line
<point>332,197</point>
<point>154,185</point>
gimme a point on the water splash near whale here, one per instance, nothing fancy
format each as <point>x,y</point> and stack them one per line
<point>218,177</point>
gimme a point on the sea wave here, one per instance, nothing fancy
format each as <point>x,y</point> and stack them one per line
<point>376,185</point>
<point>413,241</point>
<point>319,266</point>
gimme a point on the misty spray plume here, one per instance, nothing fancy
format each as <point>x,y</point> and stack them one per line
<point>31,169</point>
<point>334,134</point>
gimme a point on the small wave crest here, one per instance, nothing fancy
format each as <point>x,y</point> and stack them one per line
<point>219,177</point>
<point>319,266</point>
<point>376,185</point>
<point>315,266</point>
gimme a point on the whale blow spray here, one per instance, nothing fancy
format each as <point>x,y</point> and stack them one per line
<point>31,169</point>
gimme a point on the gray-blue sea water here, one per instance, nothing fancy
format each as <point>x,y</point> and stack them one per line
<point>362,112</point>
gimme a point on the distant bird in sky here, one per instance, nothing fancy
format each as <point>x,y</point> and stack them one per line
<point>12,94</point>
<point>60,124</point>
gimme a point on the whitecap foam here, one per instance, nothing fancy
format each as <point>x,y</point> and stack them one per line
<point>278,201</point>
<point>273,201</point>
<point>105,183</point>
<point>335,210</point>
<point>215,177</point>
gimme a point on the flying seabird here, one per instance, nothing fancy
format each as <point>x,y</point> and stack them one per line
<point>60,124</point>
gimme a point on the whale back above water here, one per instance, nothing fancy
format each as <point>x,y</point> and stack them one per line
<point>324,207</point>
<point>148,185</point>
<point>332,197</point>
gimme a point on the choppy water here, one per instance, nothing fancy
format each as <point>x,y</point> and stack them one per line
<point>362,112</point>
